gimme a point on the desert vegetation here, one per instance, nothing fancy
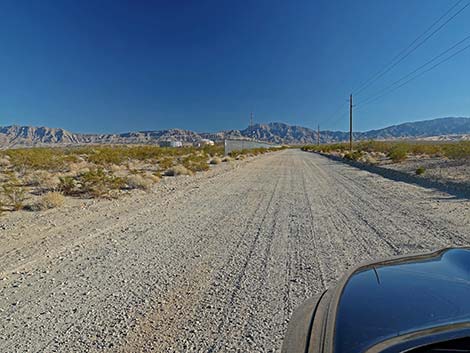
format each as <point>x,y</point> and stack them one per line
<point>40,178</point>
<point>420,170</point>
<point>395,151</point>
<point>444,163</point>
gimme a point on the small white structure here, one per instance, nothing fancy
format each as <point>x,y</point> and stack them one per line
<point>171,143</point>
<point>204,142</point>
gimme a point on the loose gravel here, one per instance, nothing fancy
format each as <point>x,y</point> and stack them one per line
<point>211,263</point>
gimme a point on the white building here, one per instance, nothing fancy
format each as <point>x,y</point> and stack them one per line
<point>204,142</point>
<point>171,143</point>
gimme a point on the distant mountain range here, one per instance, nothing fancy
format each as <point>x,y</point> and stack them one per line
<point>437,129</point>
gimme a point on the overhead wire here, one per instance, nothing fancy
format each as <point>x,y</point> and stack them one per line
<point>420,74</point>
<point>405,53</point>
<point>390,86</point>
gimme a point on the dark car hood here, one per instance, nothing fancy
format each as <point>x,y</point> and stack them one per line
<point>388,300</point>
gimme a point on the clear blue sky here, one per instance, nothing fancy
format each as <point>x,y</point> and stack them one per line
<point>115,66</point>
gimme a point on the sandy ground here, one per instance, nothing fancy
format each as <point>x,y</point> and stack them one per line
<point>437,168</point>
<point>212,263</point>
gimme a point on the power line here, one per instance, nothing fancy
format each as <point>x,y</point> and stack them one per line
<point>339,117</point>
<point>336,115</point>
<point>418,75</point>
<point>415,70</point>
<point>394,62</point>
<point>331,116</point>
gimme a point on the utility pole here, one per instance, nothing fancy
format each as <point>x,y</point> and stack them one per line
<point>251,125</point>
<point>318,135</point>
<point>350,121</point>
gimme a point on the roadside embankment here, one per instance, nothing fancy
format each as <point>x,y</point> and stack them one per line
<point>445,167</point>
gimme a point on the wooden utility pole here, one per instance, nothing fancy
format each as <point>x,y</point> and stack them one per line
<point>350,121</point>
<point>318,135</point>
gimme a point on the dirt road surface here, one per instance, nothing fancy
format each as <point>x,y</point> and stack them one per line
<point>212,263</point>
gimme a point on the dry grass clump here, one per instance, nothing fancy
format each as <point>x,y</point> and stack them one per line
<point>368,159</point>
<point>178,170</point>
<point>122,171</point>
<point>5,162</point>
<point>215,160</point>
<point>49,200</point>
<point>79,167</point>
<point>139,182</point>
<point>36,177</point>
<point>44,180</point>
<point>154,177</point>
<point>227,159</point>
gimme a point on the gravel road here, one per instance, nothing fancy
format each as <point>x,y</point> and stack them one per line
<point>211,263</point>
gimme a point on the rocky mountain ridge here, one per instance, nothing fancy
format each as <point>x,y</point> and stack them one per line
<point>437,129</point>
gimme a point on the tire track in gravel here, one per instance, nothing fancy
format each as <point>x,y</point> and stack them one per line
<point>412,217</point>
<point>166,346</point>
<point>348,213</point>
<point>241,271</point>
<point>315,232</point>
<point>294,259</point>
<point>327,215</point>
<point>393,217</point>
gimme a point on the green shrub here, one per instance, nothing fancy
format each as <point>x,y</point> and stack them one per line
<point>353,156</point>
<point>52,159</point>
<point>213,150</point>
<point>460,150</point>
<point>98,183</point>
<point>14,193</point>
<point>107,155</point>
<point>420,170</point>
<point>195,163</point>
<point>67,185</point>
<point>398,153</point>
<point>166,163</point>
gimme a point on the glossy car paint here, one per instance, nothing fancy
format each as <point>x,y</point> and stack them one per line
<point>392,305</point>
<point>392,300</point>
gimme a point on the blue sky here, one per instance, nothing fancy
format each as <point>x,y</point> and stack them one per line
<point>115,66</point>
